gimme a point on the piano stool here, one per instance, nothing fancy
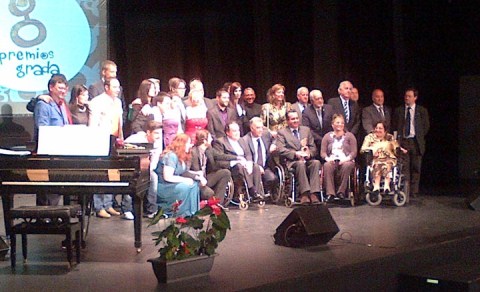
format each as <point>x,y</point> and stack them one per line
<point>46,220</point>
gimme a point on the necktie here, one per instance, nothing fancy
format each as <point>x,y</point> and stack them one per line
<point>295,133</point>
<point>259,153</point>
<point>320,118</point>
<point>408,120</point>
<point>347,113</point>
<point>381,111</point>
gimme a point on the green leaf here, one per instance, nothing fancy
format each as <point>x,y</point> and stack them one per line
<point>157,218</point>
<point>204,212</point>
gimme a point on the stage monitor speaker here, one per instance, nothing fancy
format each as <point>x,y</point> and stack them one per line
<point>474,202</point>
<point>306,226</point>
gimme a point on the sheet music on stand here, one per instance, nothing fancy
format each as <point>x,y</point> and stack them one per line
<point>73,140</point>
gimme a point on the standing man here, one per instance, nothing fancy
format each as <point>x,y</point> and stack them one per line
<point>296,145</point>
<point>302,102</point>
<point>260,143</point>
<point>412,123</point>
<point>346,107</point>
<point>318,117</point>
<point>220,115</point>
<point>106,113</point>
<point>55,112</point>
<point>376,112</point>
<point>109,71</point>
<point>252,109</point>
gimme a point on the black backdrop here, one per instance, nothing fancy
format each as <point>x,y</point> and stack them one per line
<point>387,44</point>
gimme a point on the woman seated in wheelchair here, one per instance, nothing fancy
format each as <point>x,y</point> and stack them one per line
<point>339,149</point>
<point>382,147</point>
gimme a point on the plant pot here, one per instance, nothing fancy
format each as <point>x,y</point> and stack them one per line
<point>179,270</point>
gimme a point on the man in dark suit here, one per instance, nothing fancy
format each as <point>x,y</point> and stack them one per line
<point>296,145</point>
<point>412,123</point>
<point>346,107</point>
<point>302,102</point>
<point>318,117</point>
<point>203,163</point>
<point>238,159</point>
<point>109,71</point>
<point>252,109</point>
<point>220,115</point>
<point>376,112</point>
<point>260,145</point>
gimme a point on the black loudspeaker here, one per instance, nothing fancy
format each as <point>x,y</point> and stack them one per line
<point>306,226</point>
<point>474,202</point>
<point>3,249</point>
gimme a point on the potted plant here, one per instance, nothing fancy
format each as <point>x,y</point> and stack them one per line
<point>188,244</point>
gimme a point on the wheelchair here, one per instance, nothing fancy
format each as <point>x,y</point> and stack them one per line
<point>398,185</point>
<point>287,186</point>
<point>237,194</point>
<point>352,193</point>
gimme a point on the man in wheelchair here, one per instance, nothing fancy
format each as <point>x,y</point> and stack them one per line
<point>238,160</point>
<point>339,149</point>
<point>295,144</point>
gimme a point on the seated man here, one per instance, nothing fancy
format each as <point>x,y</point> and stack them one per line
<point>296,145</point>
<point>203,163</point>
<point>339,149</point>
<point>153,134</point>
<point>239,160</point>
<point>260,145</point>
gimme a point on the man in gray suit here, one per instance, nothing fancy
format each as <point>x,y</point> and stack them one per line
<point>296,145</point>
<point>376,112</point>
<point>412,123</point>
<point>302,102</point>
<point>346,107</point>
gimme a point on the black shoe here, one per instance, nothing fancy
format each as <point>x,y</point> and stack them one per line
<point>341,195</point>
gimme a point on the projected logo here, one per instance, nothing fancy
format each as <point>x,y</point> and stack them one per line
<point>41,38</point>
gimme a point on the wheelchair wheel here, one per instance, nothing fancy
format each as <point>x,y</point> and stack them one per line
<point>261,204</point>
<point>229,193</point>
<point>289,202</point>
<point>243,205</point>
<point>373,200</point>
<point>399,199</point>
<point>278,190</point>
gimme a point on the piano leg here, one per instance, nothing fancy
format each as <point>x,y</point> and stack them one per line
<point>137,221</point>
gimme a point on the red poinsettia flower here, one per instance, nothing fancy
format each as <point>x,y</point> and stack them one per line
<point>216,210</point>
<point>203,204</point>
<point>212,201</point>
<point>185,247</point>
<point>181,220</point>
<point>176,205</point>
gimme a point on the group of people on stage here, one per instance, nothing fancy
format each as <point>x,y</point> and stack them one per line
<point>200,143</point>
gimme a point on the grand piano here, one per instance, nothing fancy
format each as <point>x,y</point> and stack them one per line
<point>125,173</point>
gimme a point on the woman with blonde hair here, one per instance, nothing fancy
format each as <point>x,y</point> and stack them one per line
<point>274,112</point>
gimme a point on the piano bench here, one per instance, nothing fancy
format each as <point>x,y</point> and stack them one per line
<point>46,220</point>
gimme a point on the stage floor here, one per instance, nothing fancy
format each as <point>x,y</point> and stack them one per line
<point>374,244</point>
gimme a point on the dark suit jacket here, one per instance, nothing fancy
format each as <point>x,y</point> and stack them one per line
<point>353,124</point>
<point>267,140</point>
<point>370,116</point>
<point>221,145</point>
<point>215,126</point>
<point>288,144</point>
<point>212,157</point>
<point>251,110</point>
<point>296,107</point>
<point>310,120</point>
<point>421,120</point>
<point>98,88</point>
